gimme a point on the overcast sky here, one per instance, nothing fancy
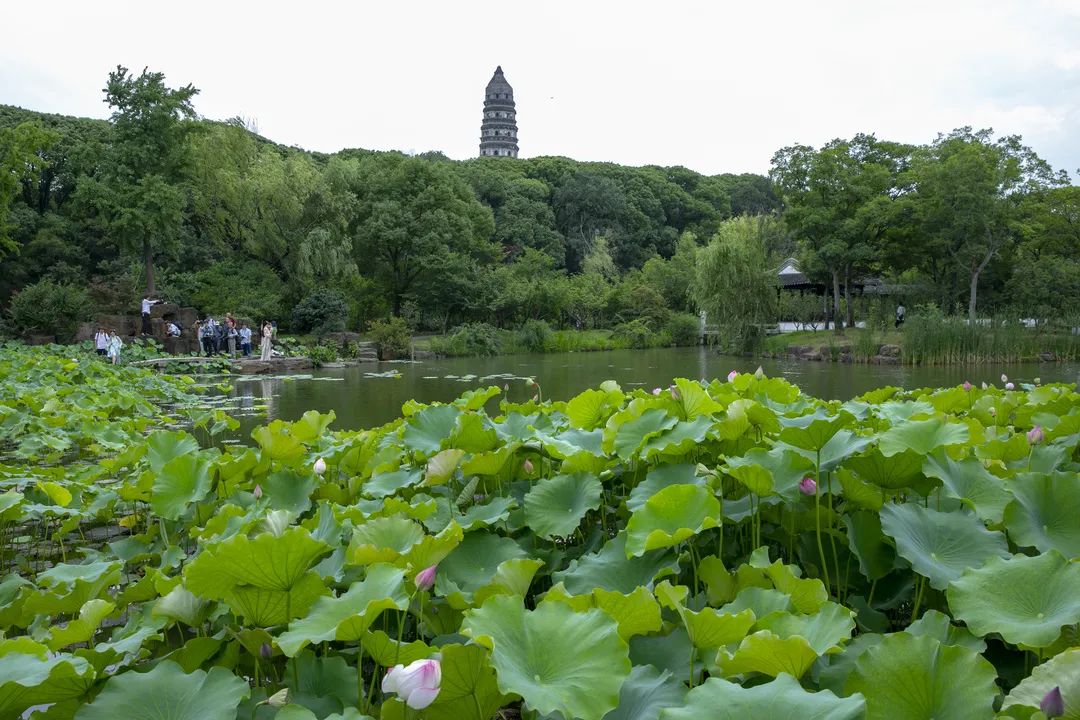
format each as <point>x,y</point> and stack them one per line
<point>714,86</point>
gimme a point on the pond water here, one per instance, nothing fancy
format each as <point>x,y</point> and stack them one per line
<point>361,400</point>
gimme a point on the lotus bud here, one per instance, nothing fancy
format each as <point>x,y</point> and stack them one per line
<point>417,683</point>
<point>1009,386</point>
<point>732,375</point>
<point>319,467</point>
<point>1053,705</point>
<point>759,373</point>
<point>265,651</point>
<point>1035,435</point>
<point>527,466</point>
<point>1004,377</point>
<point>984,385</point>
<point>506,387</point>
<point>257,492</point>
<point>535,398</point>
<point>425,579</point>
<point>656,391</point>
<point>992,411</point>
<point>529,382</point>
<point>279,699</point>
<point>808,486</point>
<point>1038,381</point>
<point>674,393</point>
<point>967,386</point>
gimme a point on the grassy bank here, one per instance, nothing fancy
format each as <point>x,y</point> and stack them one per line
<point>930,342</point>
<point>535,337</point>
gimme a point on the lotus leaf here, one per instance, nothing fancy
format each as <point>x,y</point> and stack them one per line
<point>555,506</point>
<point>646,692</point>
<point>1061,671</point>
<point>671,516</point>
<point>780,699</point>
<point>554,658</point>
<point>922,436</point>
<point>167,693</point>
<point>1045,512</point>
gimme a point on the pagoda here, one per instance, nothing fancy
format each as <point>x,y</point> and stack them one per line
<point>498,131</point>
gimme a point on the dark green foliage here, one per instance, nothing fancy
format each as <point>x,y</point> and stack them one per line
<point>534,335</point>
<point>469,339</point>
<point>683,329</point>
<point>46,308</point>
<point>392,337</point>
<point>320,312</point>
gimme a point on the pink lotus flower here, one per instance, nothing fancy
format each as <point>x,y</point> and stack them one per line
<point>1004,377</point>
<point>257,492</point>
<point>425,579</point>
<point>1009,386</point>
<point>732,375</point>
<point>657,391</point>
<point>1053,705</point>
<point>967,386</point>
<point>1035,435</point>
<point>417,683</point>
<point>319,467</point>
<point>527,466</point>
<point>808,486</point>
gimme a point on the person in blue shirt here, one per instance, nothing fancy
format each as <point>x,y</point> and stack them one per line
<point>245,340</point>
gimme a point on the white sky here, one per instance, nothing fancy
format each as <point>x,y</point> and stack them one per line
<point>715,86</point>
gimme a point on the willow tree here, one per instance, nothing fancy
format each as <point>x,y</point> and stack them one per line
<point>736,283</point>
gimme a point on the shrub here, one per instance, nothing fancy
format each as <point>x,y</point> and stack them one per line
<point>321,312</point>
<point>392,337</point>
<point>46,308</point>
<point>683,329</point>
<point>321,354</point>
<point>246,289</point>
<point>469,339</point>
<point>637,334</point>
<point>534,335</point>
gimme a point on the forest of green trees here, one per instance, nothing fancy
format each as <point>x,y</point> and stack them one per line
<point>212,215</point>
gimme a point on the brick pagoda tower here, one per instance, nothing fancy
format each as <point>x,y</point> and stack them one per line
<point>498,131</point>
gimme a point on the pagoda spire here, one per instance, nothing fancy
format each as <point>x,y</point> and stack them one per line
<point>498,129</point>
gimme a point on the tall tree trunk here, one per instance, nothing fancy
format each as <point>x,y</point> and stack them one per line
<point>975,272</point>
<point>148,259</point>
<point>847,296</point>
<point>838,324</point>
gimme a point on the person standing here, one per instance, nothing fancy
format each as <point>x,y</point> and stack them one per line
<point>900,313</point>
<point>101,341</point>
<point>115,343</point>
<point>232,334</point>
<point>147,303</point>
<point>265,348</point>
<point>206,336</point>
<point>245,340</point>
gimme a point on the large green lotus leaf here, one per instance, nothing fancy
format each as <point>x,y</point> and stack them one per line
<point>1007,449</point>
<point>180,482</point>
<point>711,628</point>
<point>427,429</point>
<point>266,579</point>
<point>867,542</point>
<point>769,654</point>
<point>383,540</point>
<point>468,689</point>
<point>166,693</point>
<point>591,409</point>
<point>347,616</point>
<point>674,514</point>
<point>826,630</point>
<point>762,601</point>
<point>386,651</point>
<point>10,502</point>
<point>632,434</point>
<point>693,399</point>
<point>81,629</point>
<point>1046,512</point>
<point>30,678</point>
<point>937,625</point>
<point>679,440</point>
<point>277,442</point>
<point>637,613</point>
<point>165,445</point>
<point>474,434</point>
<point>311,425</point>
<point>388,483</point>
<point>555,506</point>
<point>572,442</point>
<point>940,545</point>
<point>487,463</point>
<point>922,436</point>
<point>894,473</point>
<point>667,652</point>
<point>512,577</point>
<point>969,481</point>
<point>832,671</point>
<point>776,471</point>
<point>489,513</point>
<point>442,465</point>
<point>780,699</point>
<point>179,604</point>
<point>659,478</point>
<point>1024,599</point>
<point>289,490</point>
<point>611,569</point>
<point>814,430</point>
<point>472,564</point>
<point>646,692</point>
<point>840,446</point>
<point>1061,671</point>
<point>905,677</point>
<point>554,658</point>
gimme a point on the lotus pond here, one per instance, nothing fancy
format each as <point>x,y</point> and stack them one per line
<point>724,549</point>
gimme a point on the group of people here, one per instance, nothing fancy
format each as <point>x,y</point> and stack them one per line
<point>107,344</point>
<point>230,336</point>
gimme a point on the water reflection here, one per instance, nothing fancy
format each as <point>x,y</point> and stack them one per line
<point>360,400</point>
